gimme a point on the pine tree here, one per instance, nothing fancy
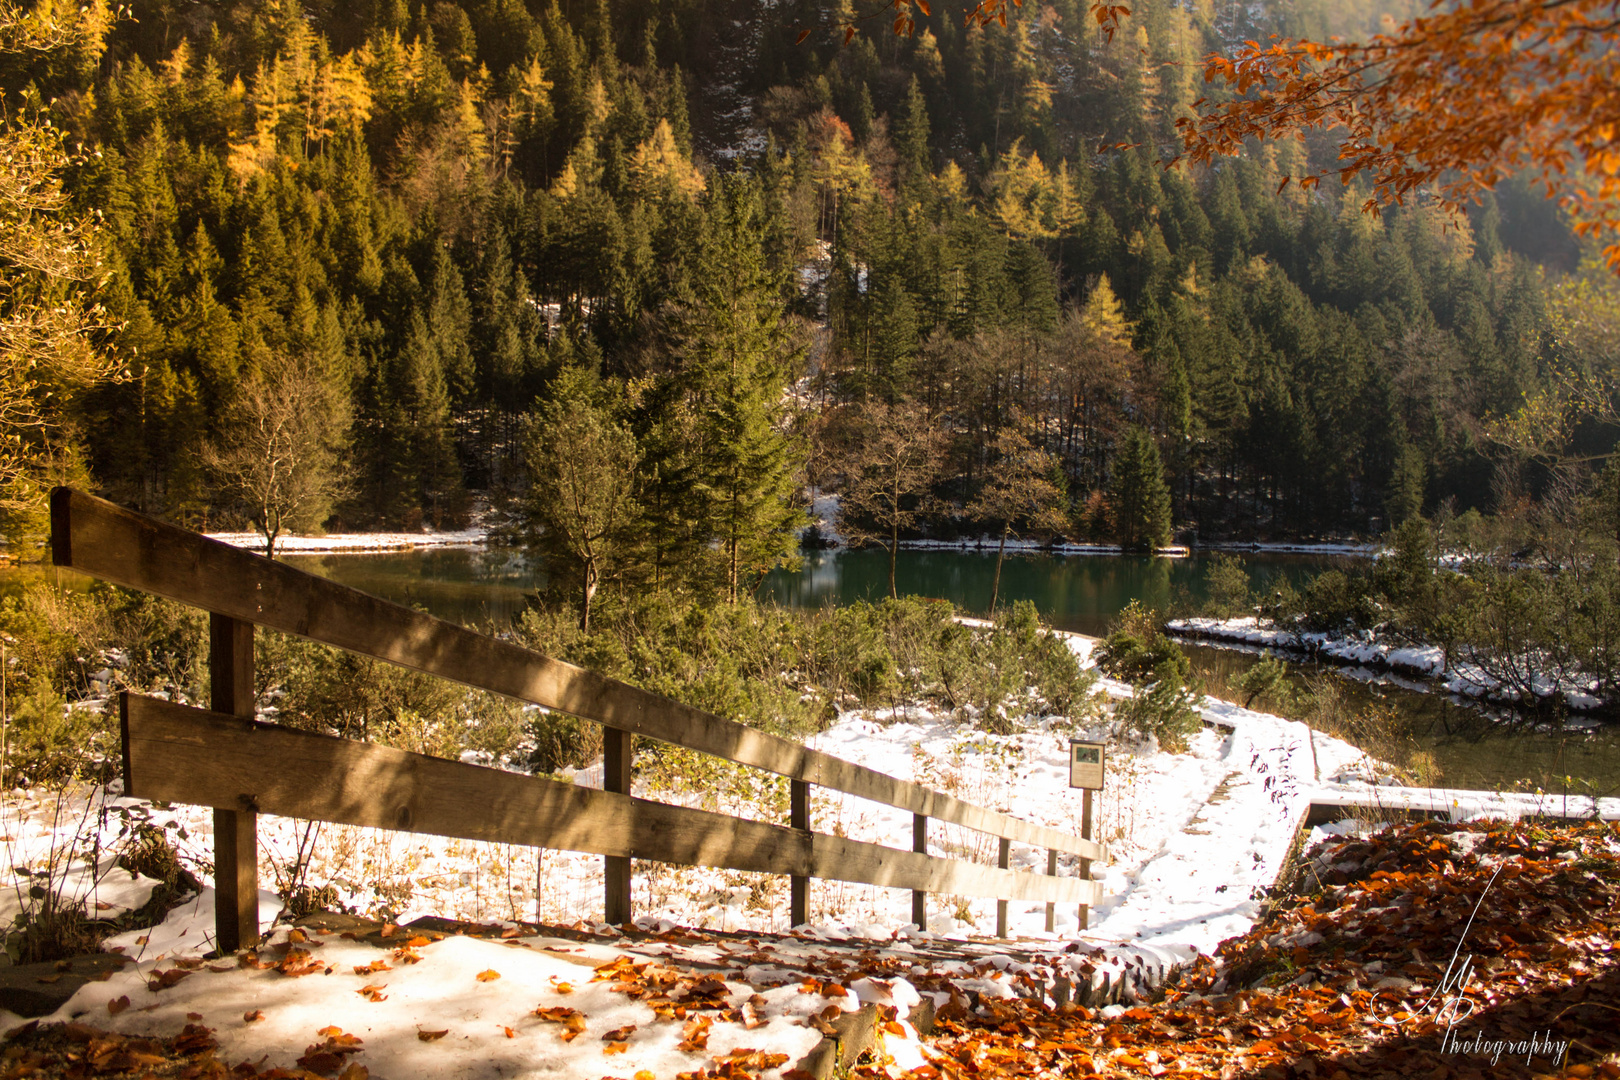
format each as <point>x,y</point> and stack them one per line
<point>582,506</point>
<point>1141,497</point>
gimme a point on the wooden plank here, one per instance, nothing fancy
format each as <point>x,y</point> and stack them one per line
<point>1085,863</point>
<point>919,844</point>
<point>1051,908</point>
<point>181,754</point>
<point>106,541</point>
<point>1003,854</point>
<point>236,831</point>
<point>799,885</point>
<point>618,755</point>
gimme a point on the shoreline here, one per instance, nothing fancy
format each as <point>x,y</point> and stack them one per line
<point>357,543</point>
<point>1425,664</point>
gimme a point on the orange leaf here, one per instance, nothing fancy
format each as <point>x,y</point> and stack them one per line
<point>252,1015</point>
<point>118,1005</point>
<point>431,1036</point>
<point>849,34</point>
<point>803,36</point>
<point>922,6</point>
<point>488,976</point>
<point>510,1034</point>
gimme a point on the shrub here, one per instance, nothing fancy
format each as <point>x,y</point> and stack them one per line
<point>1226,582</point>
<point>1136,650</point>
<point>48,743</point>
<point>1266,679</point>
<point>1165,708</point>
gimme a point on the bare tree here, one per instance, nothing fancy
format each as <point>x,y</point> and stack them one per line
<point>890,458</point>
<point>1020,490</point>
<point>281,453</point>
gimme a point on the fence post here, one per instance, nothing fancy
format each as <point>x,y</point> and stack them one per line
<point>1003,858</point>
<point>1051,871</point>
<point>617,753</point>
<point>236,839</point>
<point>1085,864</point>
<point>799,818</point>
<point>919,842</point>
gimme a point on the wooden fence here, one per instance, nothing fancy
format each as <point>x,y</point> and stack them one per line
<point>223,758</point>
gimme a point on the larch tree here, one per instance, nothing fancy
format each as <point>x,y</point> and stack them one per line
<point>53,329</point>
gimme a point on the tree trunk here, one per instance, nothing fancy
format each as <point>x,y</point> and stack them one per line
<point>995,585</point>
<point>587,594</point>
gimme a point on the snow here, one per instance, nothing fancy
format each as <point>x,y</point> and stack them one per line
<point>1423,662</point>
<point>1193,838</point>
<point>382,541</point>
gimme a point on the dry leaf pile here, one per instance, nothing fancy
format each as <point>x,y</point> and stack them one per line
<point>80,1052</point>
<point>1354,977</point>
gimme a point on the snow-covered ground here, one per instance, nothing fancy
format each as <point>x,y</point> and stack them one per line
<point>1194,837</point>
<point>1424,662</point>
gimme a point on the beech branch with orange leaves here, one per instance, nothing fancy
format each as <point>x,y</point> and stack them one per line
<point>1458,99</point>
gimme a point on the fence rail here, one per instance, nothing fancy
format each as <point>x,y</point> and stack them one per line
<point>221,758</point>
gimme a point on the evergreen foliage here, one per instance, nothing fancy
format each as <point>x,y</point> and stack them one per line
<point>1141,499</point>
<point>438,210</point>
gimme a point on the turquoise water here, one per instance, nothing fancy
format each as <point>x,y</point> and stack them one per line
<point>478,586</point>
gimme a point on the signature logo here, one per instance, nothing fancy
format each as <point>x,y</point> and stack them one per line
<point>1449,1005</point>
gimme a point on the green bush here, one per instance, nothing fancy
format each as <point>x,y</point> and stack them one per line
<point>47,743</point>
<point>1137,651</point>
<point>1226,582</point>
<point>1336,602</point>
<point>1166,708</point>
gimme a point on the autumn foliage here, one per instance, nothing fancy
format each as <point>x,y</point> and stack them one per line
<point>1460,99</point>
<point>1349,978</point>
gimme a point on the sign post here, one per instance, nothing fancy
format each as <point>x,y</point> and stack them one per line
<point>1087,761</point>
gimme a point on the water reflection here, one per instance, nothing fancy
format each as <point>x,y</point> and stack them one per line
<point>1072,592</point>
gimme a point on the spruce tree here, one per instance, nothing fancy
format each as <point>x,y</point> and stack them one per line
<point>736,355</point>
<point>1141,497</point>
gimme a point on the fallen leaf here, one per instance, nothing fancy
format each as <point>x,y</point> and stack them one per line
<point>620,1034</point>
<point>373,992</point>
<point>510,1034</point>
<point>488,976</point>
<point>431,1036</point>
<point>372,968</point>
<point>194,1016</point>
<point>615,1048</point>
<point>118,1005</point>
<point>162,980</point>
<point>252,1015</point>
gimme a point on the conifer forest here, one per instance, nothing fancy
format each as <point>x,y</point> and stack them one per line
<point>663,269</point>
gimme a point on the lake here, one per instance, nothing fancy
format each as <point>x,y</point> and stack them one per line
<point>1072,592</point>
<point>1082,593</point>
<point>484,587</point>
